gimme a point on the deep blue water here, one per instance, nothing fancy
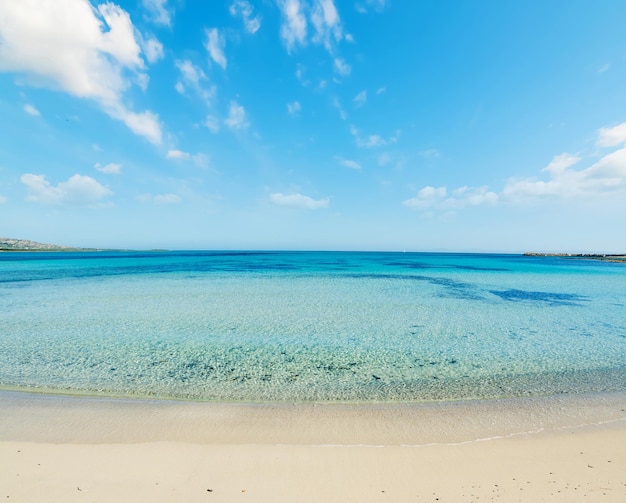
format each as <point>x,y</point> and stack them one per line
<point>301,326</point>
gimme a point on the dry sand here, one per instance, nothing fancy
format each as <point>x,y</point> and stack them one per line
<point>567,449</point>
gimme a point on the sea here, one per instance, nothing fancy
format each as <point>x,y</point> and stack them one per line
<point>282,327</point>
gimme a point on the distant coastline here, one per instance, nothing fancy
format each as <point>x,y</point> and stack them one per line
<point>21,245</point>
<point>27,245</point>
<point>606,257</point>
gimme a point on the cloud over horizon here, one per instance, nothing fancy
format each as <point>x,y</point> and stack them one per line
<point>298,201</point>
<point>78,190</point>
<point>602,178</point>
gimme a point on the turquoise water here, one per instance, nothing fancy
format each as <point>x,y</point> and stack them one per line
<point>311,326</point>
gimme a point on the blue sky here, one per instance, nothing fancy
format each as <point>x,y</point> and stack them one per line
<point>314,124</point>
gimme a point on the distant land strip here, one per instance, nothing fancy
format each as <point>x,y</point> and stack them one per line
<point>606,257</point>
<point>10,244</point>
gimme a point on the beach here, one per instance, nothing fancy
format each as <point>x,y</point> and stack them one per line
<point>65,448</point>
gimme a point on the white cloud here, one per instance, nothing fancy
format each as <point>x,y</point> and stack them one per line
<point>294,26</point>
<point>177,154</point>
<point>192,77</point>
<point>236,117</point>
<point>298,201</point>
<point>470,196</point>
<point>360,99</point>
<point>613,136</point>
<point>342,112</point>
<point>77,190</point>
<point>323,16</point>
<point>244,9</point>
<point>325,19</point>
<point>212,123</point>
<point>371,141</point>
<point>341,67</point>
<point>3,199</point>
<point>604,178</point>
<point>159,198</point>
<point>375,5</point>
<point>152,48</point>
<point>215,45</point>
<point>348,163</point>
<point>199,159</point>
<point>293,108</point>
<point>426,197</point>
<point>381,90</point>
<point>31,110</point>
<point>109,169</point>
<point>70,46</point>
<point>158,12</point>
<point>300,75</point>
<point>144,124</point>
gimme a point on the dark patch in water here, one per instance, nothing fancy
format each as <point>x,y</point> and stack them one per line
<point>551,298</point>
<point>452,288</point>
<point>424,265</point>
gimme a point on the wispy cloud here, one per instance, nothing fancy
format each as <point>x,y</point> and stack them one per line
<point>100,61</point>
<point>77,190</point>
<point>152,48</point>
<point>365,6</point>
<point>371,141</point>
<point>612,136</point>
<point>157,12</point>
<point>342,112</point>
<point>294,108</point>
<point>321,14</point>
<point>177,154</point>
<point>199,159</point>
<point>326,22</point>
<point>348,163</point>
<point>108,169</point>
<point>360,99</point>
<point>236,116</point>
<point>341,67</point>
<point>300,70</point>
<point>212,123</point>
<point>293,30</point>
<point>215,45</point>
<point>192,77</point>
<point>159,198</point>
<point>298,201</point>
<point>245,10</point>
<point>31,110</point>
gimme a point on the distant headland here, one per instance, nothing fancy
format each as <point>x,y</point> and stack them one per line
<point>10,244</point>
<point>606,257</point>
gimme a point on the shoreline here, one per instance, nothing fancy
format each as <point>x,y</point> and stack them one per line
<point>560,448</point>
<point>40,417</point>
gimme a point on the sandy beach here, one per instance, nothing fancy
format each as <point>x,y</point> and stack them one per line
<point>55,448</point>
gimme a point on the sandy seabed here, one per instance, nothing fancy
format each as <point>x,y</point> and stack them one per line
<point>562,449</point>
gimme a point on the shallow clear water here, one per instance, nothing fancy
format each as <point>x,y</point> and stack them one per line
<point>296,326</point>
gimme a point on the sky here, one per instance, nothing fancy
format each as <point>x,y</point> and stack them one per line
<point>426,125</point>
